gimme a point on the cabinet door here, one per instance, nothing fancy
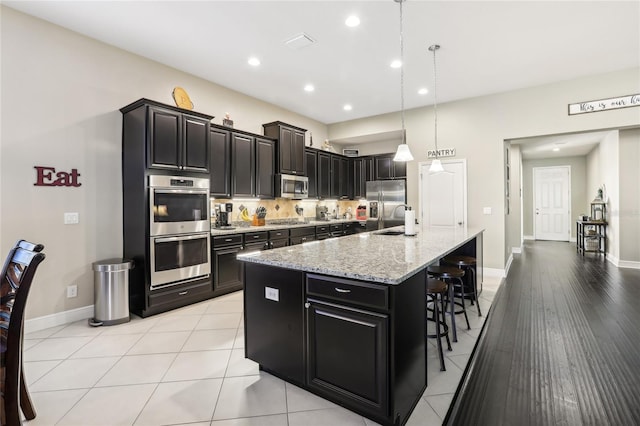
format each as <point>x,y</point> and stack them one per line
<point>228,272</point>
<point>286,150</point>
<point>195,144</point>
<point>358,178</point>
<point>399,169</point>
<point>336,188</point>
<point>324,175</point>
<point>348,354</point>
<point>265,167</point>
<point>384,167</point>
<point>220,163</point>
<point>369,170</point>
<point>242,166</point>
<point>345,179</point>
<point>312,173</point>
<point>164,149</point>
<point>298,163</point>
<point>275,326</point>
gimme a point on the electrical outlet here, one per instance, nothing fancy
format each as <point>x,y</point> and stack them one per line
<point>72,291</point>
<point>71,218</point>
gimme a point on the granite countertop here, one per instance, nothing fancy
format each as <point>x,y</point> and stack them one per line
<point>369,256</point>
<point>268,227</point>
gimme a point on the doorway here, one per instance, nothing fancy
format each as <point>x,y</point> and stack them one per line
<point>552,203</point>
<point>443,196</point>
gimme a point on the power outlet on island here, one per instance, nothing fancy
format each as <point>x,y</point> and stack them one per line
<point>272,294</point>
<point>72,291</point>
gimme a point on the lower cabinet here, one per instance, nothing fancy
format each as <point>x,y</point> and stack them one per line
<point>348,354</point>
<point>274,320</point>
<point>228,272</point>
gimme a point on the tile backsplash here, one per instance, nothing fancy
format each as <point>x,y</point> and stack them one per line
<point>283,208</point>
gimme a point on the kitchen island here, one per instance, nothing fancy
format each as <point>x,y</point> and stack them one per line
<point>345,318</point>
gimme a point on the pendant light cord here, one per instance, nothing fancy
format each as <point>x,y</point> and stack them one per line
<point>433,48</point>
<point>402,74</point>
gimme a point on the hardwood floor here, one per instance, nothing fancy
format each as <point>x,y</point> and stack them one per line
<point>561,345</point>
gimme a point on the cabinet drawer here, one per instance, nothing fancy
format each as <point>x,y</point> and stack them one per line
<point>183,292</point>
<point>353,292</point>
<point>255,237</point>
<point>227,240</point>
<point>299,240</point>
<point>278,234</point>
<point>336,227</point>
<point>322,229</point>
<point>302,232</point>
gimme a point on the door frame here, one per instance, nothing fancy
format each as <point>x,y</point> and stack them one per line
<point>423,167</point>
<point>533,213</point>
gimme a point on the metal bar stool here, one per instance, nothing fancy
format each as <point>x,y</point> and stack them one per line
<point>436,289</point>
<point>453,277</point>
<point>466,263</point>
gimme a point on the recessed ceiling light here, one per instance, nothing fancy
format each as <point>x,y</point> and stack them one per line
<point>347,107</point>
<point>309,88</point>
<point>352,21</point>
<point>253,61</point>
<point>396,64</point>
<point>423,91</point>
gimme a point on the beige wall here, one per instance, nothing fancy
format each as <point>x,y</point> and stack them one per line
<point>478,127</point>
<point>610,178</point>
<point>579,192</point>
<point>630,196</point>
<point>61,94</point>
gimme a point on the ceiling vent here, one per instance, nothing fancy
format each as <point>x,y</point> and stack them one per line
<point>299,41</point>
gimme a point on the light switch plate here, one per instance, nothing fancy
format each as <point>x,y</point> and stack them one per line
<point>272,294</point>
<point>71,218</point>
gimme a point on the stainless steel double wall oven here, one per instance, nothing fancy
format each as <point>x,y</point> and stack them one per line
<point>179,230</point>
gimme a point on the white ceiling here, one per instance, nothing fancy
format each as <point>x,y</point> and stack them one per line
<point>487,47</point>
<point>575,145</point>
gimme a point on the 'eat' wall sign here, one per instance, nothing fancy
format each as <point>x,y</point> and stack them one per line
<point>47,176</point>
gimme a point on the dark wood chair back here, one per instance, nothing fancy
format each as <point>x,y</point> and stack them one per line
<point>15,281</point>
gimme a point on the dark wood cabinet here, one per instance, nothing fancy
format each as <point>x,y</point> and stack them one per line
<point>386,168</point>
<point>311,156</point>
<point>228,272</point>
<point>339,177</point>
<point>177,141</point>
<point>243,166</point>
<point>324,175</point>
<point>220,163</point>
<point>265,168</point>
<point>356,170</point>
<point>369,169</point>
<point>291,147</point>
<point>274,320</point>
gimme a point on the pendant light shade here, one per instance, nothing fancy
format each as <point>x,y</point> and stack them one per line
<point>436,166</point>
<point>403,153</point>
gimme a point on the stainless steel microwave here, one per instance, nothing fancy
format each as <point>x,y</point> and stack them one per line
<point>290,186</point>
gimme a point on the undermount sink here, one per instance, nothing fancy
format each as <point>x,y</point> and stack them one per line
<point>390,232</point>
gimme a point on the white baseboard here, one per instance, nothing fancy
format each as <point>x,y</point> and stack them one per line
<point>529,237</point>
<point>508,265</point>
<point>628,264</point>
<point>493,272</point>
<point>59,318</point>
<point>515,250</point>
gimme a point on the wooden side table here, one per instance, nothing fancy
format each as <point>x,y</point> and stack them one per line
<point>591,236</point>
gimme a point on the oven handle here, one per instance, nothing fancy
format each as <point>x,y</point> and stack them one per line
<point>180,238</point>
<point>180,191</point>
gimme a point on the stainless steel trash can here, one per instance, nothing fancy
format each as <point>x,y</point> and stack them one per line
<point>111,291</point>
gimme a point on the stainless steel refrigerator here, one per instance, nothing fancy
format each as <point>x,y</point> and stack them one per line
<point>384,198</point>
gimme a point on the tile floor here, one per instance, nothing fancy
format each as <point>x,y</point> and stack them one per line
<point>187,366</point>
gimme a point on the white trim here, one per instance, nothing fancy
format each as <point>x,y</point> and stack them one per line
<point>529,238</point>
<point>515,250</point>
<point>628,264</point>
<point>494,272</point>
<point>508,265</point>
<point>613,260</point>
<point>59,318</point>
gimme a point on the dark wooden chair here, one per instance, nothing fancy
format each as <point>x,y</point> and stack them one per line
<point>15,281</point>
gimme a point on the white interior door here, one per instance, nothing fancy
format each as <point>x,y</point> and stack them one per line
<point>443,196</point>
<point>552,207</point>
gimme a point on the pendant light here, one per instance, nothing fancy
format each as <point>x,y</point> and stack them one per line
<point>403,153</point>
<point>436,165</point>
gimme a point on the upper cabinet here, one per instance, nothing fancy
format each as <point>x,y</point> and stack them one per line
<point>386,168</point>
<point>177,141</point>
<point>312,171</point>
<point>242,164</point>
<point>172,138</point>
<point>291,147</point>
